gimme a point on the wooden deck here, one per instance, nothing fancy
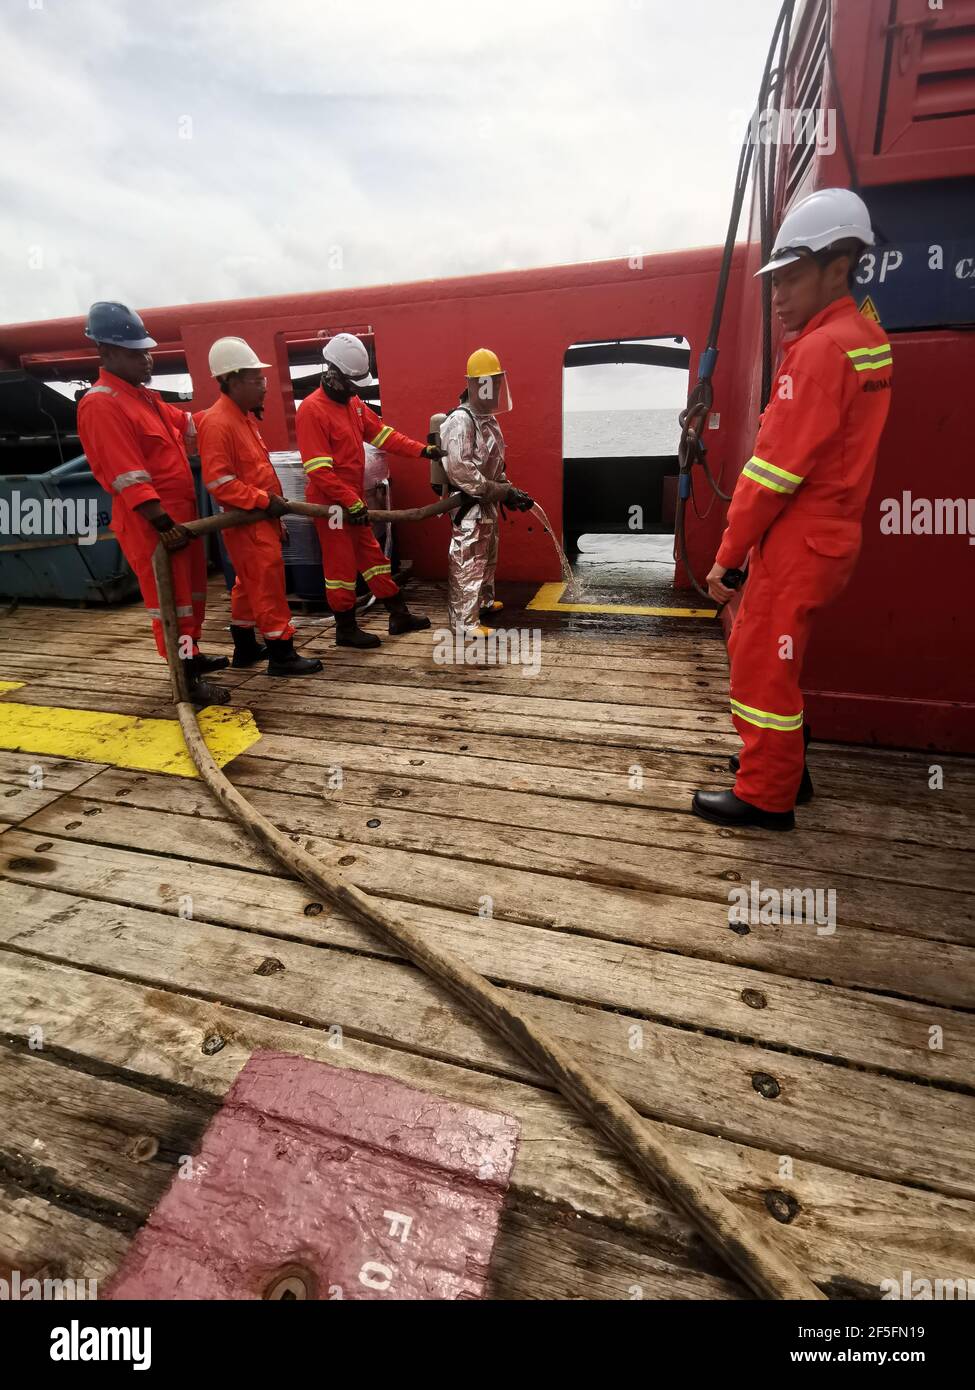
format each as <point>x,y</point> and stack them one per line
<point>823,1081</point>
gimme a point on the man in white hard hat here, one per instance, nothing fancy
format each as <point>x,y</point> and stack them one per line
<point>238,473</point>
<point>798,504</point>
<point>333,427</point>
<point>474,464</point>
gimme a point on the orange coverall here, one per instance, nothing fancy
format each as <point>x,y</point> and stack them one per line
<point>135,444</point>
<point>330,437</point>
<point>797,507</point>
<point>237,471</point>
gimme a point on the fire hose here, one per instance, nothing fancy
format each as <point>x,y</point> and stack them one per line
<point>728,1230</point>
<point>207,524</point>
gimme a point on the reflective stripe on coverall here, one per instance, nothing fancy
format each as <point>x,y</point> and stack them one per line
<point>798,507</point>
<point>237,471</point>
<point>135,444</point>
<point>474,463</point>
<point>331,435</point>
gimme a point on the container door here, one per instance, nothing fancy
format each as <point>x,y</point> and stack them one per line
<point>928,99</point>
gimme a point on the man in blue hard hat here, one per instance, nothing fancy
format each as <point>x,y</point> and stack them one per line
<point>135,443</point>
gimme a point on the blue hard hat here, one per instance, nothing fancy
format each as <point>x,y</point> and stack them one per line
<point>117,324</point>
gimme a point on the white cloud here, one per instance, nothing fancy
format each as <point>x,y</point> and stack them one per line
<point>421,140</point>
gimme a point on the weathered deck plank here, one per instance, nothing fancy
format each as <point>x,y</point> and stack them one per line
<point>687,1078</point>
<point>798,1070</point>
<point>842,1227</point>
<point>436,855</point>
<point>251,898</point>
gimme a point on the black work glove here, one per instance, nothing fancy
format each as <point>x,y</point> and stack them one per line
<point>171,533</point>
<point>276,505</point>
<point>432,451</point>
<point>359,517</point>
<point>519,501</point>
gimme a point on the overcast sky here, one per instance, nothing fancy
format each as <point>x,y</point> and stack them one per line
<point>181,150</point>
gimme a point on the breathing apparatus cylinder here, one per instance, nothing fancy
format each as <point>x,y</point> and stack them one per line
<point>438,476</point>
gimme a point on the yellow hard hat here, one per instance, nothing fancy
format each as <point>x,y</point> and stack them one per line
<point>483,362</point>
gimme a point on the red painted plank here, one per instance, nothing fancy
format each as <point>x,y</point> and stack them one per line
<point>346,1183</point>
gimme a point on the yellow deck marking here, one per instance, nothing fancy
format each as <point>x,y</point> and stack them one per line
<point>548,600</point>
<point>122,740</point>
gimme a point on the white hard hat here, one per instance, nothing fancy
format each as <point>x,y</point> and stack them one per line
<point>831,215</point>
<point>348,353</point>
<point>232,355</point>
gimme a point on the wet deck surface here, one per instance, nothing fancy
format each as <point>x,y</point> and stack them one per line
<point>539,827</point>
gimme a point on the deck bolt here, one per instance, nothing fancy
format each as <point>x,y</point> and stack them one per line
<point>754,998</point>
<point>212,1043</point>
<point>313,909</point>
<point>374,823</point>
<point>270,965</point>
<point>144,1148</point>
<point>782,1205</point>
<point>732,875</point>
<point>346,860</point>
<point>766,1085</point>
<point>45,844</point>
<point>740,928</point>
<point>292,1282</point>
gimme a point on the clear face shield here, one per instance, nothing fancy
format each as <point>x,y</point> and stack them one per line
<point>488,395</point>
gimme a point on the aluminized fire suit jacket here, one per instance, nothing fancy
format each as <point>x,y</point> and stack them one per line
<point>474,463</point>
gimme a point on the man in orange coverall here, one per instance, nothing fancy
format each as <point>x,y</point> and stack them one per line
<point>238,473</point>
<point>135,443</point>
<point>333,425</point>
<point>799,501</point>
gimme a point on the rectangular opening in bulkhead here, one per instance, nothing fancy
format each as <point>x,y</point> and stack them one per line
<point>621,402</point>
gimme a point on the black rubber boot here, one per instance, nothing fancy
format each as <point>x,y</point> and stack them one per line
<point>283,660</point>
<point>805,792</point>
<point>401,619</point>
<point>724,808</point>
<point>348,633</point>
<point>247,650</point>
<point>203,665</point>
<point>201,692</point>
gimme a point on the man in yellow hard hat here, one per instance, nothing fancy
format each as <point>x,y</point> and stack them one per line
<point>474,464</point>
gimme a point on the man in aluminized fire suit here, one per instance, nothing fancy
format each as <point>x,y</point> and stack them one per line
<point>474,463</point>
